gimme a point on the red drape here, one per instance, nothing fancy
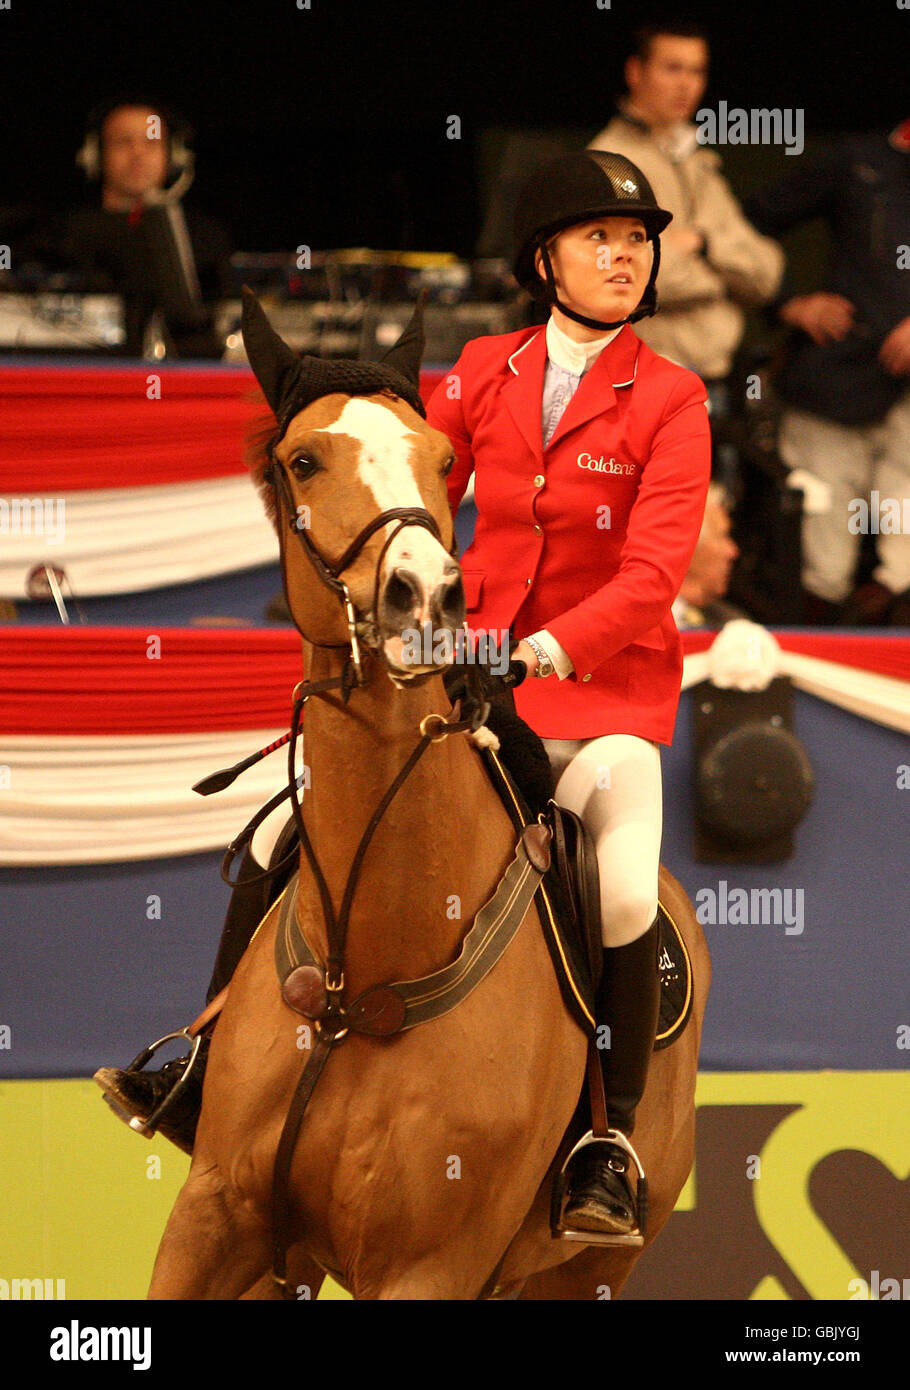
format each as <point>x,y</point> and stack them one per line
<point>886,655</point>
<point>64,429</point>
<point>110,680</point>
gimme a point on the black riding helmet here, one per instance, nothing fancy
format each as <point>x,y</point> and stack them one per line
<point>580,187</point>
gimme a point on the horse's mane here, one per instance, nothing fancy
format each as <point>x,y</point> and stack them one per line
<point>260,439</point>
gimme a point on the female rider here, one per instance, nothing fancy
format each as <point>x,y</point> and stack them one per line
<point>591,457</point>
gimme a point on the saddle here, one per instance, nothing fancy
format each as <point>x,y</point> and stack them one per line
<point>568,897</point>
<point>569,903</point>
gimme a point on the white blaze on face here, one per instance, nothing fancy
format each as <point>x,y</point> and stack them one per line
<point>384,467</point>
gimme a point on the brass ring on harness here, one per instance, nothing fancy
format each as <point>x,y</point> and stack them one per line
<point>434,738</point>
<point>336,1037</point>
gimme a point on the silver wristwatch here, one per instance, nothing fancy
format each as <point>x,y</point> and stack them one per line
<point>545,666</point>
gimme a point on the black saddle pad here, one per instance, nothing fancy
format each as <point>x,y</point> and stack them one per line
<point>569,953</point>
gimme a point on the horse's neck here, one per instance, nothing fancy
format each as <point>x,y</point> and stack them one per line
<point>439,848</point>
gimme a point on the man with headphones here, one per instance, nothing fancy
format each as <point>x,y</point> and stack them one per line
<point>168,264</point>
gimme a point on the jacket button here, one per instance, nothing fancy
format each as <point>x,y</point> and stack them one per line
<point>527,581</point>
<point>539,480</point>
<point>538,530</point>
<point>586,678</point>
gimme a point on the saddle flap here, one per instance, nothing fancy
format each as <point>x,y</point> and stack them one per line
<point>576,865</point>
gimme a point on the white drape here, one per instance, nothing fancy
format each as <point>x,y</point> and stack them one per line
<point>88,800</point>
<point>94,800</point>
<point>883,699</point>
<point>122,540</point>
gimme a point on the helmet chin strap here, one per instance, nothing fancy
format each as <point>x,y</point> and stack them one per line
<point>640,313</point>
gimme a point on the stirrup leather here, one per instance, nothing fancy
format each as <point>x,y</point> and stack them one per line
<point>558,1228</point>
<point>147,1126</point>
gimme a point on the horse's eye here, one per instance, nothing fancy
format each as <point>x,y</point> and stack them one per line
<point>303,467</point>
<point>448,465</point>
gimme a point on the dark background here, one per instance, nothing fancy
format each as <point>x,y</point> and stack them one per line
<point>327,126</point>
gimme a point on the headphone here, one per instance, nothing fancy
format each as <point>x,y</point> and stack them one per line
<point>181,159</point>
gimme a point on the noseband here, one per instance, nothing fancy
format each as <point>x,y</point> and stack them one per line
<point>329,573</point>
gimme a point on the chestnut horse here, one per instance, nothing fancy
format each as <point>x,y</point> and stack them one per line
<point>424,1160</point>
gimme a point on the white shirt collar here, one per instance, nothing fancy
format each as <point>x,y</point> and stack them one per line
<point>571,356</point>
<point>677,141</point>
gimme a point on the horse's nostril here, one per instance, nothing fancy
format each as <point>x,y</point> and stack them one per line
<point>402,592</point>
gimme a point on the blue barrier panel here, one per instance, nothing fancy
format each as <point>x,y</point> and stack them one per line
<point>91,974</point>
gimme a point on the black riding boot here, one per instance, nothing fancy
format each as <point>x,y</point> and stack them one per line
<point>136,1094</point>
<point>601,1196</point>
<point>249,904</point>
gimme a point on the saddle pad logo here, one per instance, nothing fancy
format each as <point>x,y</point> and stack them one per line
<point>604,465</point>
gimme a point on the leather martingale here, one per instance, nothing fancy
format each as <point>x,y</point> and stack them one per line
<point>559,865</point>
<point>387,1008</point>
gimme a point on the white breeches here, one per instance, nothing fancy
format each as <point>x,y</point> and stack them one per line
<point>856,462</point>
<point>613,783</point>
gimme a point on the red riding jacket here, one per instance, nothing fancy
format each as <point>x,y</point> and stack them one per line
<point>591,537</point>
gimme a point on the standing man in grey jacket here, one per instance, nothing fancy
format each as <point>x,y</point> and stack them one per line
<point>713,261</point>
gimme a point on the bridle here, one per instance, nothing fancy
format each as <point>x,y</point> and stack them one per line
<point>433,727</point>
<point>468,714</point>
<point>359,624</point>
<point>472,707</point>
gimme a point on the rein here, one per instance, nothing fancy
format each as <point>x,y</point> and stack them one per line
<point>336,924</point>
<point>335,1020</point>
<point>219,780</point>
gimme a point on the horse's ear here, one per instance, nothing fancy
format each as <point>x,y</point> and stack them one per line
<point>277,367</point>
<point>407,353</point>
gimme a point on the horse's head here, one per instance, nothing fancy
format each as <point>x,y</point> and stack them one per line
<point>354,480</point>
